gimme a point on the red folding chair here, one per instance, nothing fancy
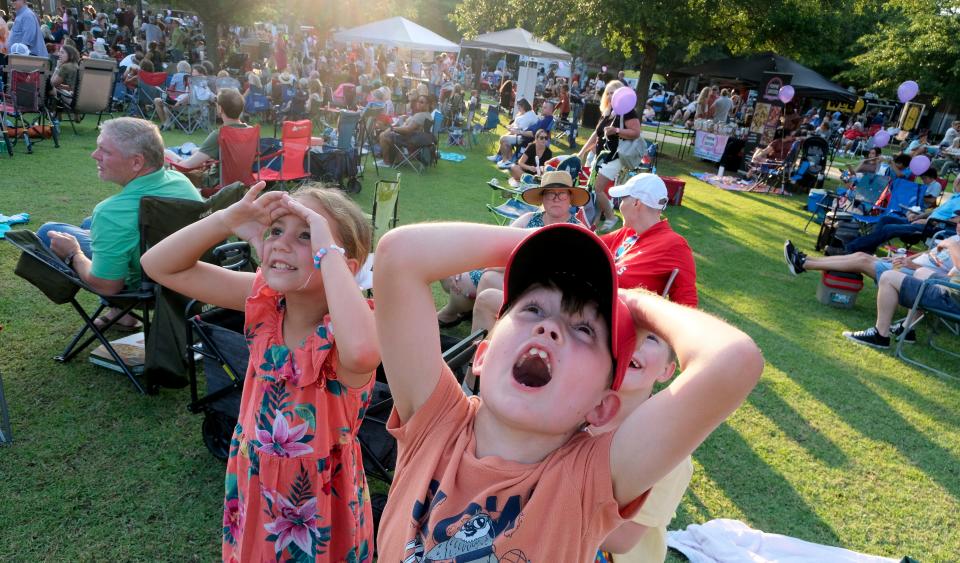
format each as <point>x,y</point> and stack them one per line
<point>239,149</point>
<point>150,85</point>
<point>24,97</point>
<point>238,153</point>
<point>292,158</point>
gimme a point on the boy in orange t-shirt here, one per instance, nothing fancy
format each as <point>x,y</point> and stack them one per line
<point>511,476</point>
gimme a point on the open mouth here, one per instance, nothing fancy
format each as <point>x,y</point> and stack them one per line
<point>282,266</point>
<point>532,368</point>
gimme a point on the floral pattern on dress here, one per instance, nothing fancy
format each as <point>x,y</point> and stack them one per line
<point>295,488</point>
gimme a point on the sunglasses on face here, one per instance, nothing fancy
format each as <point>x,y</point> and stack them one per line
<point>541,138</point>
<point>556,196</point>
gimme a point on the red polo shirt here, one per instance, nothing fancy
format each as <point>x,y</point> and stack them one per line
<point>647,260</point>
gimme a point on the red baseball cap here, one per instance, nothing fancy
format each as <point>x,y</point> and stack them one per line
<point>573,251</point>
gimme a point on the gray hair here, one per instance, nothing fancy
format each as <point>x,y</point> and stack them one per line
<point>184,67</point>
<point>136,136</point>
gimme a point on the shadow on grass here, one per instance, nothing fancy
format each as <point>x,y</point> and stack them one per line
<point>755,487</point>
<point>855,403</point>
<point>783,204</point>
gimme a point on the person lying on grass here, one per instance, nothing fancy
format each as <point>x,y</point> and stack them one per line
<point>513,473</point>
<point>295,488</point>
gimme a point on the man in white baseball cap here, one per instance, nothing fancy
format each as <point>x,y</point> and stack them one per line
<point>646,249</point>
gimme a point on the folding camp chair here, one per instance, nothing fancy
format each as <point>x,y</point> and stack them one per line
<point>94,91</point>
<point>46,271</point>
<point>900,195</point>
<point>940,318</point>
<point>385,199</point>
<point>25,96</point>
<point>201,102</point>
<point>239,148</point>
<point>290,162</point>
<point>506,204</point>
<point>150,86</point>
<point>256,103</point>
<point>366,142</point>
<point>166,362</point>
<point>774,174</point>
<point>412,156</point>
<point>861,194</point>
<point>6,434</point>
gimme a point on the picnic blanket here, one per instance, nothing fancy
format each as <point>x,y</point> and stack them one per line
<point>735,184</point>
<point>8,221</point>
<point>732,541</point>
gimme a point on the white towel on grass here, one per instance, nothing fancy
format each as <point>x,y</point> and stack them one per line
<point>732,541</point>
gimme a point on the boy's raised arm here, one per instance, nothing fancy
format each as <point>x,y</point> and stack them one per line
<point>720,366</point>
<point>408,260</point>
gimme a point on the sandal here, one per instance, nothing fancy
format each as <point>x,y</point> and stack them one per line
<point>126,324</point>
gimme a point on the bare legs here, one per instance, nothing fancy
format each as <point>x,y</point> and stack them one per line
<point>857,263</point>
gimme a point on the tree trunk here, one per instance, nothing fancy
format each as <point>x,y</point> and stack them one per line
<point>648,65</point>
<point>211,35</point>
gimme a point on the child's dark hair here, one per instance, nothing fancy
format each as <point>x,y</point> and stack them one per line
<point>352,227</point>
<point>903,160</point>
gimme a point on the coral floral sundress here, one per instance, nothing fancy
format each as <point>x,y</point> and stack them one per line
<point>295,488</point>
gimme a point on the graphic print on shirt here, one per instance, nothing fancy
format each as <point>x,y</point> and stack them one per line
<point>474,531</point>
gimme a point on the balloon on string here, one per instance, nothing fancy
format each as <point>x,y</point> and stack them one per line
<point>623,100</point>
<point>919,164</point>
<point>881,138</point>
<point>786,93</point>
<point>908,91</point>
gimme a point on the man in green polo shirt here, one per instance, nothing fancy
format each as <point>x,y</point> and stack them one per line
<point>105,249</point>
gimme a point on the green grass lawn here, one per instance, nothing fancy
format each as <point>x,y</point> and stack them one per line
<point>838,444</point>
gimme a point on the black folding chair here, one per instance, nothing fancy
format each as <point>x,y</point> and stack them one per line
<point>44,269</point>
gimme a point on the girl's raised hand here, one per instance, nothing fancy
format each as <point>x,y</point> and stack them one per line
<point>250,217</point>
<point>320,235</point>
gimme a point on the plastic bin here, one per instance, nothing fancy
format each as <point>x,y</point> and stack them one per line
<point>674,189</point>
<point>839,289</point>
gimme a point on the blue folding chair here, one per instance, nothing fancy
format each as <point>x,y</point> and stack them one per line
<point>904,194</point>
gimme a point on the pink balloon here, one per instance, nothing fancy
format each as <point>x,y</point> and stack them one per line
<point>919,164</point>
<point>908,91</point>
<point>624,100</point>
<point>786,93</point>
<point>881,138</point>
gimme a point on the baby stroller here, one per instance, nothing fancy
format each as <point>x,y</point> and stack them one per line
<point>810,171</point>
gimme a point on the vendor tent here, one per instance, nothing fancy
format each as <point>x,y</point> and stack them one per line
<point>517,41</point>
<point>750,70</point>
<point>397,32</point>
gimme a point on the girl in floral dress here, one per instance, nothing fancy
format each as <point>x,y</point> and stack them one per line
<point>295,488</point>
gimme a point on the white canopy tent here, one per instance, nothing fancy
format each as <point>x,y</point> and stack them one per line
<point>517,41</point>
<point>397,32</point>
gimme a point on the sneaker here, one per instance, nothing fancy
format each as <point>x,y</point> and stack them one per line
<point>513,183</point>
<point>504,164</point>
<point>382,164</point>
<point>494,158</point>
<point>868,337</point>
<point>896,330</point>
<point>794,258</point>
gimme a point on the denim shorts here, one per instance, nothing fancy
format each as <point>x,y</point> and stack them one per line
<point>880,266</point>
<point>934,297</point>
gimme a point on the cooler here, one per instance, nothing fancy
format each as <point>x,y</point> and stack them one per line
<point>674,189</point>
<point>839,289</point>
